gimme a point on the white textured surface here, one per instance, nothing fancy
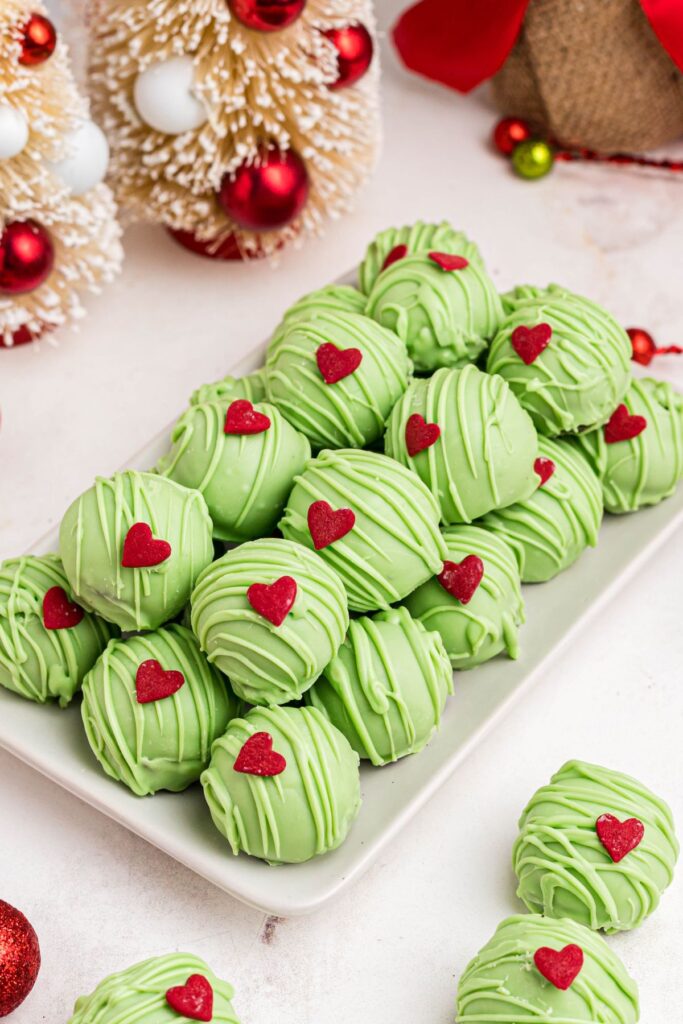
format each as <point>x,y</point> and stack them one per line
<point>390,951</point>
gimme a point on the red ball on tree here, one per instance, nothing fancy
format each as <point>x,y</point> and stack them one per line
<point>26,257</point>
<point>643,345</point>
<point>267,15</point>
<point>355,48</point>
<point>38,40</point>
<point>228,249</point>
<point>508,133</point>
<point>268,193</point>
<point>19,958</point>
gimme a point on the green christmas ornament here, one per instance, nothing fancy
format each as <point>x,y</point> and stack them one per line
<point>533,159</point>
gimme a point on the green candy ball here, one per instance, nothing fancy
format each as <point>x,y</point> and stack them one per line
<point>533,159</point>
<point>333,298</point>
<point>166,743</point>
<point>304,811</point>
<point>92,536</point>
<point>38,663</point>
<point>252,387</point>
<point>394,545</point>
<point>387,686</point>
<point>549,530</point>
<point>445,317</point>
<point>420,237</point>
<point>563,868</point>
<point>352,411</point>
<point>138,994</point>
<point>487,625</point>
<point>484,457</point>
<point>502,983</point>
<point>580,377</point>
<point>646,469</point>
<point>246,478</point>
<point>269,664</point>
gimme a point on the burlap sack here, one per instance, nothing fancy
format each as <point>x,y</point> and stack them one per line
<point>593,73</point>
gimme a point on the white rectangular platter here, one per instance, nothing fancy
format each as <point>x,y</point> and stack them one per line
<point>52,741</point>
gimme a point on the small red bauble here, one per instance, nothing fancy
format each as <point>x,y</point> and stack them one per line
<point>267,15</point>
<point>228,249</point>
<point>22,336</point>
<point>267,194</point>
<point>643,345</point>
<point>19,958</point>
<point>38,41</point>
<point>26,257</point>
<point>508,133</point>
<point>355,48</point>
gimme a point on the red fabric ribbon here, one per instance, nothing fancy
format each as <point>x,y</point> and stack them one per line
<point>461,43</point>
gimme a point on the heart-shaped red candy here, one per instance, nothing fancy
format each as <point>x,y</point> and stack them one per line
<point>58,611</point>
<point>142,550</point>
<point>420,434</point>
<point>399,252</point>
<point>622,426</point>
<point>529,342</point>
<point>619,837</point>
<point>544,468</point>
<point>336,363</point>
<point>449,261</point>
<point>326,524</point>
<point>273,600</point>
<point>461,579</point>
<point>194,999</point>
<point>559,967</point>
<point>242,418</point>
<point>152,682</point>
<point>257,757</point>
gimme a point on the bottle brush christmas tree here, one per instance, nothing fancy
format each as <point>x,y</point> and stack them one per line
<point>58,229</point>
<point>238,124</point>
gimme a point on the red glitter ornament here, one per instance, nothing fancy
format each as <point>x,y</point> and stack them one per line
<point>242,418</point>
<point>420,434</point>
<point>508,133</point>
<point>153,683</point>
<point>461,579</point>
<point>38,41</point>
<point>645,348</point>
<point>268,193</point>
<point>273,601</point>
<point>619,837</point>
<point>355,48</point>
<point>141,550</point>
<point>267,15</point>
<point>19,958</point>
<point>26,257</point>
<point>326,524</point>
<point>559,967</point>
<point>529,342</point>
<point>257,757</point>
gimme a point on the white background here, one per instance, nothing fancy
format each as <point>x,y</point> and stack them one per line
<point>390,951</point>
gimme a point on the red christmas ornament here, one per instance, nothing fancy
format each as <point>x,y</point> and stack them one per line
<point>267,15</point>
<point>26,257</point>
<point>355,48</point>
<point>645,348</point>
<point>38,41</point>
<point>508,133</point>
<point>267,194</point>
<point>22,336</point>
<point>19,958</point>
<point>228,249</point>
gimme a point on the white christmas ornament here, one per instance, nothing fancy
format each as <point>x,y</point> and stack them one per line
<point>86,158</point>
<point>164,98</point>
<point>13,132</point>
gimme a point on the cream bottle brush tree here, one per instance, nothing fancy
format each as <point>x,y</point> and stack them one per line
<point>58,230</point>
<point>240,124</point>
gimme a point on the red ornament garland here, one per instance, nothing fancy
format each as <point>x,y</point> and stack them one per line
<point>38,41</point>
<point>355,49</point>
<point>19,958</point>
<point>645,348</point>
<point>267,15</point>
<point>267,194</point>
<point>26,257</point>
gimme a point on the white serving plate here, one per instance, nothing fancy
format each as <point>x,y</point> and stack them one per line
<point>53,742</point>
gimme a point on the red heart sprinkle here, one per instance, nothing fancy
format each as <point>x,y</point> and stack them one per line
<point>141,550</point>
<point>194,999</point>
<point>336,363</point>
<point>448,261</point>
<point>622,426</point>
<point>58,611</point>
<point>399,252</point>
<point>153,683</point>
<point>561,967</point>
<point>461,579</point>
<point>257,757</point>
<point>273,600</point>
<point>242,418</point>
<point>420,434</point>
<point>544,468</point>
<point>619,837</point>
<point>326,524</point>
<point>529,342</point>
